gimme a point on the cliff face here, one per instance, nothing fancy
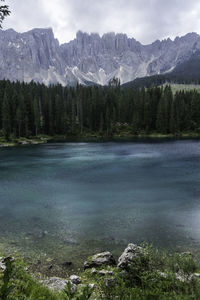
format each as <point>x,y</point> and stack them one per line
<point>36,55</point>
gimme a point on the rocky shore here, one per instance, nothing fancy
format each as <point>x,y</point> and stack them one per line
<point>102,272</point>
<point>104,264</point>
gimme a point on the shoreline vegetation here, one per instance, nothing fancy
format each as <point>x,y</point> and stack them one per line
<point>141,272</point>
<point>123,137</point>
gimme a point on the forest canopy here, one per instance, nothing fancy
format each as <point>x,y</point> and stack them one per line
<point>30,109</point>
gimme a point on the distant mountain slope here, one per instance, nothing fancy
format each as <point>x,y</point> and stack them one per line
<point>186,72</point>
<point>36,55</point>
<point>189,69</point>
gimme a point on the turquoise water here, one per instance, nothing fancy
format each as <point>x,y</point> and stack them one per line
<point>67,201</point>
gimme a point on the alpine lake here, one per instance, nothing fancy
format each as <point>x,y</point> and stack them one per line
<point>60,203</point>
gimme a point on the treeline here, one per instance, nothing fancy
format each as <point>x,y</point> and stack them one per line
<point>32,109</point>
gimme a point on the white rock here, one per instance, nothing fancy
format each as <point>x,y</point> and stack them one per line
<point>127,257</point>
<point>75,279</point>
<point>56,283</point>
<point>104,258</point>
<point>105,273</point>
<point>94,271</point>
<point>2,266</point>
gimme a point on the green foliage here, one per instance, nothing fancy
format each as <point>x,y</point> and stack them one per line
<point>18,284</point>
<point>4,12</point>
<point>80,294</point>
<point>28,110</point>
<point>68,290</point>
<point>6,288</point>
<point>154,275</point>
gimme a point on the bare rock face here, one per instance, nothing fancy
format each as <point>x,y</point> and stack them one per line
<point>128,256</point>
<point>100,259</point>
<point>36,55</point>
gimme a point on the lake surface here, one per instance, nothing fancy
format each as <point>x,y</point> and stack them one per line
<point>67,201</point>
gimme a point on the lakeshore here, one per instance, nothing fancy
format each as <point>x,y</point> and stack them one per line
<point>89,138</point>
<point>140,272</point>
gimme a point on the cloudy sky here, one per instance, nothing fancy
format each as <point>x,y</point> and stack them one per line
<point>145,20</point>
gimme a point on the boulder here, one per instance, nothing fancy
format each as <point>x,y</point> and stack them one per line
<point>57,284</point>
<point>127,257</point>
<point>105,273</point>
<point>196,275</point>
<point>2,265</point>
<point>100,259</point>
<point>181,277</point>
<point>110,282</point>
<point>67,264</point>
<point>75,279</point>
<point>3,262</point>
<point>94,271</point>
<point>24,143</point>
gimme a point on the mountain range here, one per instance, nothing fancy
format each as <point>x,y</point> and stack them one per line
<point>89,58</point>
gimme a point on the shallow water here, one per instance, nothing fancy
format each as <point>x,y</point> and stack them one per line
<point>67,201</point>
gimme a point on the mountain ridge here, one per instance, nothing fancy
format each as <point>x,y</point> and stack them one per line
<point>37,55</point>
<point>187,72</point>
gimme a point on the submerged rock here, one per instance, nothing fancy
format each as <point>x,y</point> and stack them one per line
<point>67,264</point>
<point>37,233</point>
<point>127,257</point>
<point>97,260</point>
<point>69,241</point>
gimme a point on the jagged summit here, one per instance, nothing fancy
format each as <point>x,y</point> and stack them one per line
<point>37,55</point>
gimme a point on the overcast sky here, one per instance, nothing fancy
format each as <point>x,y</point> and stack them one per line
<point>145,20</point>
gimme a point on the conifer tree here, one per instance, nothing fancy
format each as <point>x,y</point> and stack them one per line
<point>6,120</point>
<point>4,12</point>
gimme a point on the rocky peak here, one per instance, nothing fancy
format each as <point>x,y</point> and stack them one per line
<point>37,55</point>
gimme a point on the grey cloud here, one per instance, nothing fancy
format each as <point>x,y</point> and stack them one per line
<point>145,20</point>
<point>25,15</point>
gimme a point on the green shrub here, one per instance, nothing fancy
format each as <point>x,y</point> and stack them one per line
<point>154,275</point>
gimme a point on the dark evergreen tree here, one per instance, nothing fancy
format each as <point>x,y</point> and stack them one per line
<point>4,12</point>
<point>6,117</point>
<point>30,109</point>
